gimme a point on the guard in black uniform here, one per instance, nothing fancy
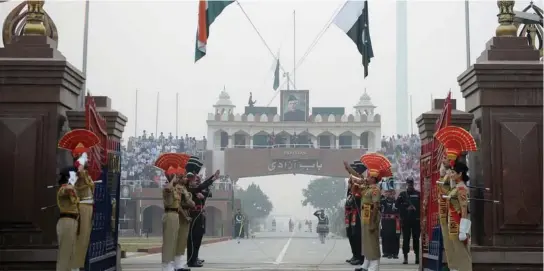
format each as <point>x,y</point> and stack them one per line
<point>390,224</point>
<point>353,217</point>
<point>408,204</point>
<point>197,227</point>
<point>239,221</point>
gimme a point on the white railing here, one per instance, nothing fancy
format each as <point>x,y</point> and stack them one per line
<point>291,146</point>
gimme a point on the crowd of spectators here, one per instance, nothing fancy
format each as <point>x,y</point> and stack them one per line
<point>404,152</point>
<point>139,154</point>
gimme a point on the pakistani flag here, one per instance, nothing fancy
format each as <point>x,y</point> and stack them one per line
<point>208,11</point>
<point>353,20</point>
<point>277,75</point>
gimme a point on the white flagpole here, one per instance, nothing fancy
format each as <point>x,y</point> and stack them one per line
<point>157,117</point>
<point>136,115</point>
<point>294,50</point>
<point>85,52</point>
<point>177,113</point>
<point>467,32</point>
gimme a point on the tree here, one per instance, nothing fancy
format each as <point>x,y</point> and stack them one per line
<point>255,203</point>
<point>324,193</point>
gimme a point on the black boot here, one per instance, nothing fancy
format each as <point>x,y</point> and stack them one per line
<point>417,259</point>
<point>405,259</point>
<point>350,260</point>
<point>183,269</point>
<point>356,262</point>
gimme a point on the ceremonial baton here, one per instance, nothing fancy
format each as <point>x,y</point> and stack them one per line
<point>47,207</point>
<point>56,185</point>
<point>469,186</point>
<point>476,199</point>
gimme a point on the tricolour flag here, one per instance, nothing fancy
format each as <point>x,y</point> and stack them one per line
<point>208,11</point>
<point>353,20</point>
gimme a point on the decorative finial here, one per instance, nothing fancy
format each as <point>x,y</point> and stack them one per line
<point>32,22</point>
<point>506,19</point>
<point>224,88</point>
<point>365,90</point>
<point>35,18</point>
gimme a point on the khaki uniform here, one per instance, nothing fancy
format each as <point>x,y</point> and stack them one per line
<point>170,222</point>
<point>371,239</point>
<point>184,219</point>
<point>443,190</point>
<point>458,202</point>
<point>67,201</point>
<point>84,190</point>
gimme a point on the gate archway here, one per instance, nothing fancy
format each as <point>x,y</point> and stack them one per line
<point>152,220</point>
<point>214,222</point>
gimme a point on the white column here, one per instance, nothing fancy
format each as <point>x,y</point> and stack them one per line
<point>211,139</point>
<point>250,142</point>
<point>231,139</point>
<point>377,139</point>
<point>337,142</point>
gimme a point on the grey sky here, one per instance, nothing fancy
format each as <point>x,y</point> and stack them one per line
<point>149,45</point>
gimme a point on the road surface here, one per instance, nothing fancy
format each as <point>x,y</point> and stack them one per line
<point>272,251</point>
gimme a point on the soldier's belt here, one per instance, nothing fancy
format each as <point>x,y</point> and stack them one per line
<point>166,210</point>
<point>69,215</point>
<point>389,216</point>
<point>197,208</point>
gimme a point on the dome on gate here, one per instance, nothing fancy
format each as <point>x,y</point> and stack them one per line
<point>364,101</point>
<point>224,100</point>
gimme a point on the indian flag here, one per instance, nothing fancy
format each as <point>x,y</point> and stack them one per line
<point>353,20</point>
<point>208,11</point>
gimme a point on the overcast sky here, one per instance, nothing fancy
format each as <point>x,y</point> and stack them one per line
<point>149,45</point>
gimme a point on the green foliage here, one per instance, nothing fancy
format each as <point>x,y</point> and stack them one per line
<point>255,203</point>
<point>324,193</point>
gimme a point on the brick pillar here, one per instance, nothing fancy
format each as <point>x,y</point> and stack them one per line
<point>503,90</point>
<point>37,87</point>
<point>426,126</point>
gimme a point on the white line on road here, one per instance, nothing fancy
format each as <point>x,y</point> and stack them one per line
<point>284,250</point>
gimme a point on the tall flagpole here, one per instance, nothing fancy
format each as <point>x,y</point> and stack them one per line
<point>411,116</point>
<point>177,113</point>
<point>157,116</point>
<point>467,32</point>
<point>85,51</point>
<point>294,50</point>
<point>136,115</point>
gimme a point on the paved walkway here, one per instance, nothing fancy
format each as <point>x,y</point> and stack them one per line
<point>271,251</point>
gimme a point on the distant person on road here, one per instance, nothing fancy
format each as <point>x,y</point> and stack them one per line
<point>239,223</point>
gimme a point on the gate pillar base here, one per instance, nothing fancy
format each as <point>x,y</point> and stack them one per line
<point>503,90</point>
<point>37,86</point>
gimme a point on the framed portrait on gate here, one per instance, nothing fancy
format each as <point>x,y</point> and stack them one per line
<point>295,105</point>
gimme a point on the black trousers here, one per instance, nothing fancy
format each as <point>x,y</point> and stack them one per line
<point>390,239</point>
<point>410,228</point>
<point>353,232</point>
<point>238,231</point>
<point>194,240</point>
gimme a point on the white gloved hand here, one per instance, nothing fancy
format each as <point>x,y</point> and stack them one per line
<point>462,236</point>
<point>72,180</point>
<point>83,159</point>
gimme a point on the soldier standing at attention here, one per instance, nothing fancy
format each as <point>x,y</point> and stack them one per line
<point>370,210</point>
<point>184,219</point>
<point>390,224</point>
<point>352,209</point>
<point>67,225</point>
<point>196,229</point>
<point>168,162</point>
<point>408,203</point>
<point>457,140</point>
<point>443,188</point>
<point>79,141</point>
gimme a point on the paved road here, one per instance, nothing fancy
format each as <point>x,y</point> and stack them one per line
<point>271,251</point>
